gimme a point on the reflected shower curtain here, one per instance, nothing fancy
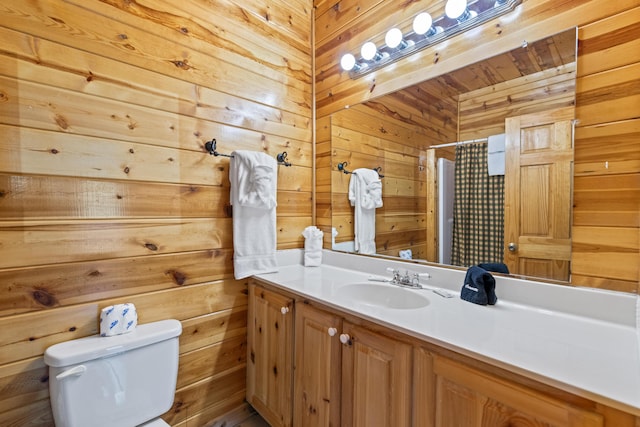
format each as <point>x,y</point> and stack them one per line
<point>478,209</point>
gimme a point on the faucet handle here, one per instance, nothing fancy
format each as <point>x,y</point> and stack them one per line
<point>417,276</point>
<point>395,272</point>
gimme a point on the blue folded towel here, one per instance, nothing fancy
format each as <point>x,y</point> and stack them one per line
<point>496,267</point>
<point>479,287</point>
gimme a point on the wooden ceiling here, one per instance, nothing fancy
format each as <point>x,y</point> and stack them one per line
<point>435,97</point>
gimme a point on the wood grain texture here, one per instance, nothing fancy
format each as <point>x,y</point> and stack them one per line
<point>469,397</point>
<point>607,155</point>
<point>106,191</point>
<point>538,19</point>
<point>368,137</point>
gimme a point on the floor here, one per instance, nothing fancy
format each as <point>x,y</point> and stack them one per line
<point>253,421</point>
<point>243,416</point>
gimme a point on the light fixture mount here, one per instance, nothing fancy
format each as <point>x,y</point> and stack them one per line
<point>477,12</point>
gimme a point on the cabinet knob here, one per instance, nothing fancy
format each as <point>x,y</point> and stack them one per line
<point>284,310</point>
<point>332,331</point>
<point>345,339</point>
<point>513,247</point>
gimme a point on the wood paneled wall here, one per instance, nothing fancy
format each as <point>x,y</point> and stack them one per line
<point>606,229</point>
<point>107,194</point>
<point>366,138</point>
<point>606,218</point>
<point>482,112</point>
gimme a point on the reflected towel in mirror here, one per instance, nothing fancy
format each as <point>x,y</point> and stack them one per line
<point>365,194</point>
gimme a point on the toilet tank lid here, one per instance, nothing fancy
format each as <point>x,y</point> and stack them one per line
<point>95,347</point>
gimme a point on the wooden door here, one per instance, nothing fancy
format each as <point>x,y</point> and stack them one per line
<point>538,176</point>
<point>318,371</point>
<point>376,379</point>
<point>470,398</point>
<point>270,354</point>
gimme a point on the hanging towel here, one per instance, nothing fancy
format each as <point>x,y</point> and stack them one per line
<point>365,195</point>
<point>253,177</point>
<point>495,154</point>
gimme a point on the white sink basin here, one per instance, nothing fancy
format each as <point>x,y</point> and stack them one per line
<point>387,295</point>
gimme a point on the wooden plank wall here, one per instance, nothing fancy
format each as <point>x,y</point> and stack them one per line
<point>482,112</point>
<point>107,194</point>
<point>606,224</point>
<point>606,231</point>
<point>366,138</point>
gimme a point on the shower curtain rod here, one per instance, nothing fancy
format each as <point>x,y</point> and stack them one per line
<point>451,144</point>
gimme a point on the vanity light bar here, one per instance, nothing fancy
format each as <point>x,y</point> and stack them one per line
<point>460,17</point>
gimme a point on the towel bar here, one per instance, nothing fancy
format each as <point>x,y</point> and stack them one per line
<point>210,146</point>
<point>343,170</point>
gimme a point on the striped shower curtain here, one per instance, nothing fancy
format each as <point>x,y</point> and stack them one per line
<point>478,209</point>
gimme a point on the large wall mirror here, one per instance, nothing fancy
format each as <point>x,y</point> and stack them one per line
<point>515,110</point>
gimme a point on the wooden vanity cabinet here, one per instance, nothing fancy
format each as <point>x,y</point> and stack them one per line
<point>347,375</point>
<point>351,373</point>
<point>468,397</point>
<point>376,379</point>
<point>270,354</point>
<point>318,369</point>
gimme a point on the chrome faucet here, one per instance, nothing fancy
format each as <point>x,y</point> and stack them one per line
<point>411,280</point>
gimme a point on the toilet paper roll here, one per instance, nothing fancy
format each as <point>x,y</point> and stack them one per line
<point>118,319</point>
<point>129,317</point>
<point>406,254</point>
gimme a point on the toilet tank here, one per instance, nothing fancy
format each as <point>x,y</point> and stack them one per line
<point>122,380</point>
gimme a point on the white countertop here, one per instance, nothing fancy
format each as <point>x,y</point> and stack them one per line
<point>582,340</point>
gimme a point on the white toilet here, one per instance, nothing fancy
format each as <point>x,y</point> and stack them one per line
<point>123,380</point>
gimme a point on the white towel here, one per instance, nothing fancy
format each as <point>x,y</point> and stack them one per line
<point>495,154</point>
<point>365,195</point>
<point>312,246</point>
<point>253,177</point>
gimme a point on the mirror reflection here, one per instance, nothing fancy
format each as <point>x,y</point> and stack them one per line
<point>474,166</point>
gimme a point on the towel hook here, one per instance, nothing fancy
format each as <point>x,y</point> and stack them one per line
<point>210,146</point>
<point>379,169</point>
<point>341,167</point>
<point>282,159</point>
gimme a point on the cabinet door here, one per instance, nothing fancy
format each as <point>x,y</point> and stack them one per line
<point>270,352</point>
<point>317,372</point>
<point>376,379</point>
<point>467,397</point>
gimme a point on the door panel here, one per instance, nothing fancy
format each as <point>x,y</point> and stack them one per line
<point>538,174</point>
<point>376,380</point>
<point>318,368</point>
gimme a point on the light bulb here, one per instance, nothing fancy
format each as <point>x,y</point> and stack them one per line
<point>348,62</point>
<point>422,23</point>
<point>368,51</point>
<point>455,8</point>
<point>393,38</point>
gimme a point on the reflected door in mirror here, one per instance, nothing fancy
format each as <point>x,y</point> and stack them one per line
<point>539,152</point>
